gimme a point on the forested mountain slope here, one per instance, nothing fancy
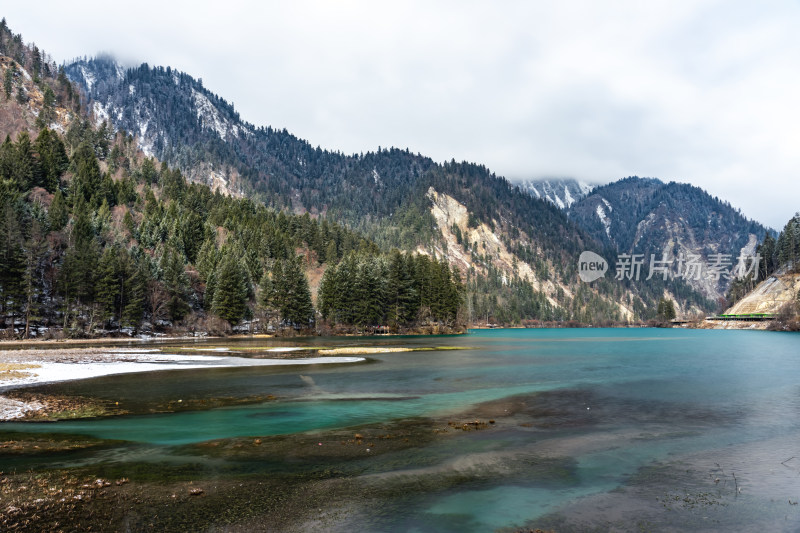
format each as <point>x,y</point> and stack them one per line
<point>518,253</point>
<point>647,216</point>
<point>96,237</point>
<point>775,288</point>
<point>385,193</point>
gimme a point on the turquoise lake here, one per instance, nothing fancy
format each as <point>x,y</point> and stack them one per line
<point>593,429</point>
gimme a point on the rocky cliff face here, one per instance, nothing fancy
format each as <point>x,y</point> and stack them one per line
<point>20,111</point>
<point>671,221</point>
<point>479,248</point>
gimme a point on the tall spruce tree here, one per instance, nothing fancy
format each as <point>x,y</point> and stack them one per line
<point>136,277</point>
<point>12,262</point>
<point>108,285</point>
<point>87,178</point>
<point>292,296</point>
<point>26,170</point>
<point>58,214</point>
<point>767,251</point>
<point>53,159</point>
<point>176,283</point>
<point>230,293</point>
<point>77,274</point>
<point>35,254</point>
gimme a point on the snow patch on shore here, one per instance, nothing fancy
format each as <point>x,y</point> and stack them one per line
<point>11,409</point>
<point>127,362</point>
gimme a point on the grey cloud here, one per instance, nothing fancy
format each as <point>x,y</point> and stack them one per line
<point>701,92</point>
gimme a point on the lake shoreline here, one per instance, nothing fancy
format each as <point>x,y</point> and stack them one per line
<point>155,339</point>
<point>23,368</point>
<point>509,430</point>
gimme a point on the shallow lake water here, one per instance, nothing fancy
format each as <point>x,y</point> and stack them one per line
<point>593,430</point>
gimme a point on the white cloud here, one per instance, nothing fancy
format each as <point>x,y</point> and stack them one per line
<point>702,92</point>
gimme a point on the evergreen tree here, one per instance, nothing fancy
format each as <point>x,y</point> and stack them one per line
<point>230,292</point>
<point>403,297</point>
<point>103,138</point>
<point>108,285</point>
<point>136,282</point>
<point>35,253</point>
<point>58,214</point>
<point>12,262</point>
<point>665,310</point>
<point>148,171</point>
<point>176,283</point>
<point>788,245</point>
<point>47,114</point>
<point>326,296</point>
<point>8,81</point>
<point>766,250</point>
<point>292,296</point>
<point>77,274</point>
<point>53,159</point>
<point>7,159</point>
<point>26,171</point>
<point>265,292</point>
<point>207,259</point>
<point>280,292</point>
<point>87,178</point>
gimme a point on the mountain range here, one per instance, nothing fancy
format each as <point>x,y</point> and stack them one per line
<point>515,244</point>
<point>179,121</point>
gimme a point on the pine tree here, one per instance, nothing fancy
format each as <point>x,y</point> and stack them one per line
<point>7,159</point>
<point>12,262</point>
<point>149,173</point>
<point>191,232</point>
<point>176,283</point>
<point>767,251</point>
<point>292,296</point>
<point>174,186</point>
<point>77,274</point>
<point>211,287</point>
<point>53,159</point>
<point>326,296</point>
<point>47,114</point>
<point>108,285</point>
<point>403,297</point>
<point>665,310</point>
<point>136,283</point>
<point>103,138</point>
<point>87,177</point>
<point>265,292</point>
<point>35,252</point>
<point>26,171</point>
<point>58,214</point>
<point>8,81</point>
<point>454,294</point>
<point>280,293</point>
<point>230,293</point>
<point>207,259</point>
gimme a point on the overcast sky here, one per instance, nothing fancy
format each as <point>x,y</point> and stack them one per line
<point>703,92</point>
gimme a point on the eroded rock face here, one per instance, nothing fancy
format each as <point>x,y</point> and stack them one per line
<point>769,296</point>
<point>451,214</point>
<point>16,116</point>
